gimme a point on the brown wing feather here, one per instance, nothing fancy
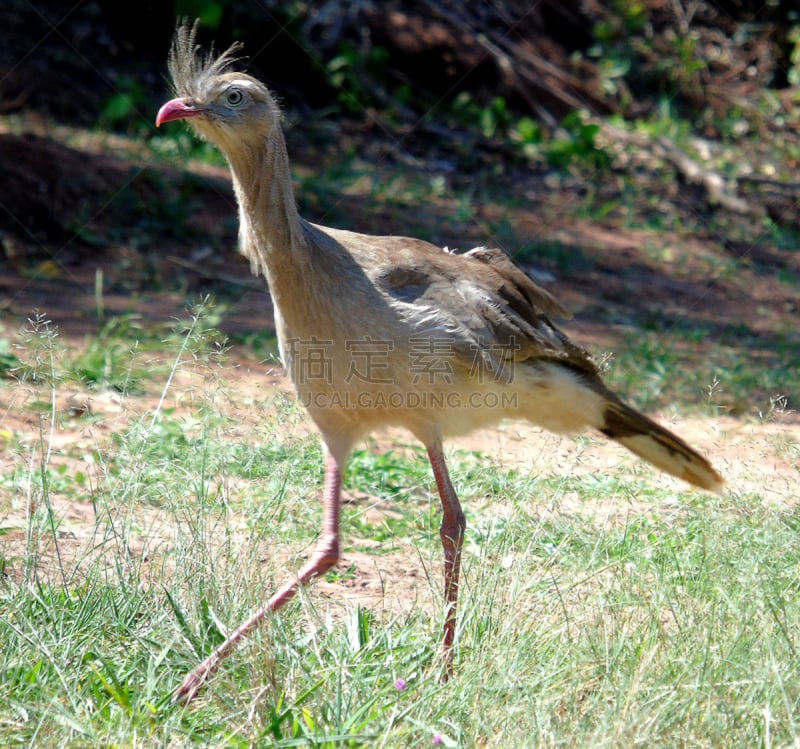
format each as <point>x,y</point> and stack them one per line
<point>518,284</point>
<point>523,315</point>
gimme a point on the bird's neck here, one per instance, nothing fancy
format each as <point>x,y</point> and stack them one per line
<point>270,229</point>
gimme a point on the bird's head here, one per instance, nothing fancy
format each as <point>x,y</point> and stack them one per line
<point>227,108</point>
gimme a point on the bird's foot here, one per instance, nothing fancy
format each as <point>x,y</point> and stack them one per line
<point>195,679</point>
<point>446,663</point>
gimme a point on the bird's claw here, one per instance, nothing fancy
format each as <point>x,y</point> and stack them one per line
<point>194,681</point>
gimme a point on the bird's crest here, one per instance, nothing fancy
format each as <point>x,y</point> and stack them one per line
<point>190,69</point>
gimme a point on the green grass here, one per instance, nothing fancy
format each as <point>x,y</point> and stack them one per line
<point>720,375</point>
<point>670,624</point>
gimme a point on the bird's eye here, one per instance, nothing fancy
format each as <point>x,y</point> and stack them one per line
<point>234,97</point>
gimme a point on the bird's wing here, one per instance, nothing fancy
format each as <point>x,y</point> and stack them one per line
<point>523,293</point>
<point>484,302</point>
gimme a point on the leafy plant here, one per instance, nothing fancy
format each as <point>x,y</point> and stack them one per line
<point>9,362</point>
<point>349,71</point>
<point>794,72</point>
<point>127,108</point>
<point>493,119</point>
<point>209,12</point>
<point>579,146</point>
<point>109,358</point>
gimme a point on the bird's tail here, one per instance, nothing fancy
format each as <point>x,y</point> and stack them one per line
<point>658,446</point>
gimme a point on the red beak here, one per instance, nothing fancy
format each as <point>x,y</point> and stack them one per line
<point>177,109</point>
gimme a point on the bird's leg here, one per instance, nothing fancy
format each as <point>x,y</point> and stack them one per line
<point>452,535</point>
<point>325,556</point>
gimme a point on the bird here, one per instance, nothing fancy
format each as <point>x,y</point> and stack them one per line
<point>392,331</point>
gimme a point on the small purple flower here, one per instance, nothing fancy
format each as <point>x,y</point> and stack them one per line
<point>400,685</point>
<point>437,739</point>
